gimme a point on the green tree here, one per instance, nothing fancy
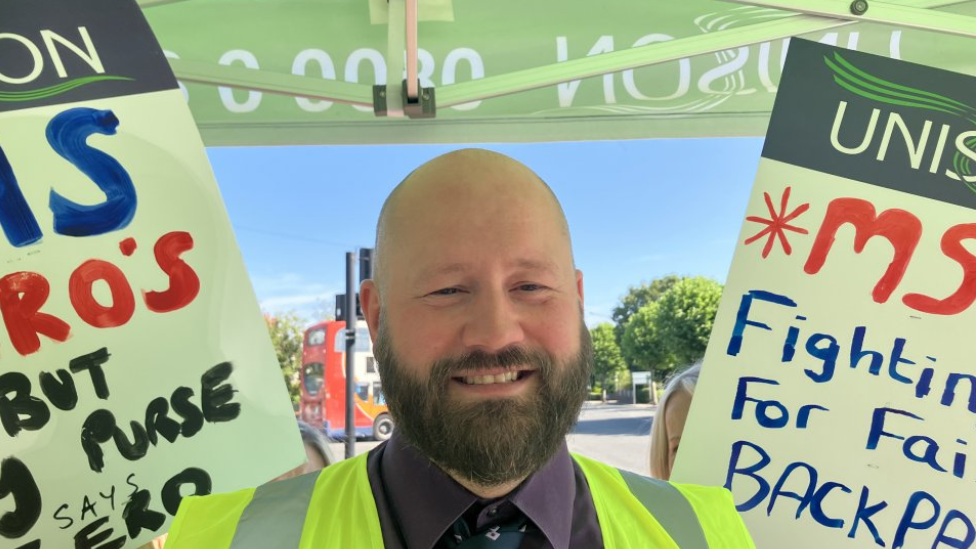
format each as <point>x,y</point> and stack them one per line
<point>287,336</point>
<point>637,297</point>
<point>641,343</point>
<point>608,363</point>
<point>684,318</point>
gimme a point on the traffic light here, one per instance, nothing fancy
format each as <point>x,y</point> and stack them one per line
<point>365,263</point>
<point>340,307</point>
<point>365,272</point>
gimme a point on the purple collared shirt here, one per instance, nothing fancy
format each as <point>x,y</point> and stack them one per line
<point>418,503</point>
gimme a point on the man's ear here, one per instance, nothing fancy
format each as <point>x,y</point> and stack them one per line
<point>579,285</point>
<point>369,299</point>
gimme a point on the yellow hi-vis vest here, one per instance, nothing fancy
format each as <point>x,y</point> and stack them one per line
<point>334,509</point>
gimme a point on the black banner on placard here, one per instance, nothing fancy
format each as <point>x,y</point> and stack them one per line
<point>853,115</point>
<point>55,52</point>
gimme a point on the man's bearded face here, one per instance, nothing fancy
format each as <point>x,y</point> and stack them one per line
<point>489,441</point>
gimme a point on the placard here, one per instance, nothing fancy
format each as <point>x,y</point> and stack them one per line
<point>838,394</point>
<point>135,367</point>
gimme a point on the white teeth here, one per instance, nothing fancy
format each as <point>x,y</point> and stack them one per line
<point>506,377</point>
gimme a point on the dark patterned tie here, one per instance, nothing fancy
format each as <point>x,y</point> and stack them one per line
<point>507,535</point>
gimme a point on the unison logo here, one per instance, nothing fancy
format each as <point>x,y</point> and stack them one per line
<point>23,62</point>
<point>952,145</point>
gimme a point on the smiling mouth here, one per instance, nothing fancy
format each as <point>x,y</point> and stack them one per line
<point>494,379</point>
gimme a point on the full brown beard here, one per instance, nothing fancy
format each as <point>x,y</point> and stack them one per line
<point>489,442</point>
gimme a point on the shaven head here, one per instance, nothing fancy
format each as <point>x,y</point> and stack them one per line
<point>458,182</point>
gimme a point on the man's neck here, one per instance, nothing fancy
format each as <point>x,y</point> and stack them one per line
<point>482,491</point>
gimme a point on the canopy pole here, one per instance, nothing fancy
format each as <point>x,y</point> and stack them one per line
<point>411,29</point>
<point>392,104</point>
<point>902,14</point>
<point>418,102</point>
<point>633,58</point>
<point>271,82</point>
<point>659,52</point>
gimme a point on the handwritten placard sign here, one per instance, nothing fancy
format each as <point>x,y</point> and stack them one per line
<point>135,367</point>
<point>838,396</point>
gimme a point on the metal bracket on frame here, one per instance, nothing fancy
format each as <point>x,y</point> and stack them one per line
<point>425,104</point>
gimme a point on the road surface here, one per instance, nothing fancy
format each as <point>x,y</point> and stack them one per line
<point>617,435</point>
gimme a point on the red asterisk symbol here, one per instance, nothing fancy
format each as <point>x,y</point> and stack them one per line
<point>778,224</point>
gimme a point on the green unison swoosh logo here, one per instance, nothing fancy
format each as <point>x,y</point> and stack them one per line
<point>868,86</point>
<point>51,91</point>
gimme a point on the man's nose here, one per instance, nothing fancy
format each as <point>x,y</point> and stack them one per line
<point>493,323</point>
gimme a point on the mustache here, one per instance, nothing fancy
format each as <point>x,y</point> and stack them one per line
<point>481,360</point>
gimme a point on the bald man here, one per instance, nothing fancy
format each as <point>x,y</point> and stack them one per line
<point>476,317</point>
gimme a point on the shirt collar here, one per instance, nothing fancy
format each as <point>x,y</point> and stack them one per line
<point>426,501</point>
<point>547,497</point>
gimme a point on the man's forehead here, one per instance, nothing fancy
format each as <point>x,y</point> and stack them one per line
<point>447,199</point>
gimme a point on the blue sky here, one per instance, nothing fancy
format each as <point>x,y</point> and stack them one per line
<point>637,209</point>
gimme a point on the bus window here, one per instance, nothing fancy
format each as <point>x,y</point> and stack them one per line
<point>315,337</point>
<point>313,378</point>
<point>378,397</point>
<point>362,391</point>
<point>363,344</point>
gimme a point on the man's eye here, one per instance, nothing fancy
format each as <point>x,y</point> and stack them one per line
<point>530,287</point>
<point>446,291</point>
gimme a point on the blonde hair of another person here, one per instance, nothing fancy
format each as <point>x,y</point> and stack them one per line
<point>673,410</point>
<point>317,452</point>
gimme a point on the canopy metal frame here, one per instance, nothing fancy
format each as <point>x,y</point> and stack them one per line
<point>400,99</point>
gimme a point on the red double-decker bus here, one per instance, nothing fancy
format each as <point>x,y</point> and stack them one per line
<point>323,381</point>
